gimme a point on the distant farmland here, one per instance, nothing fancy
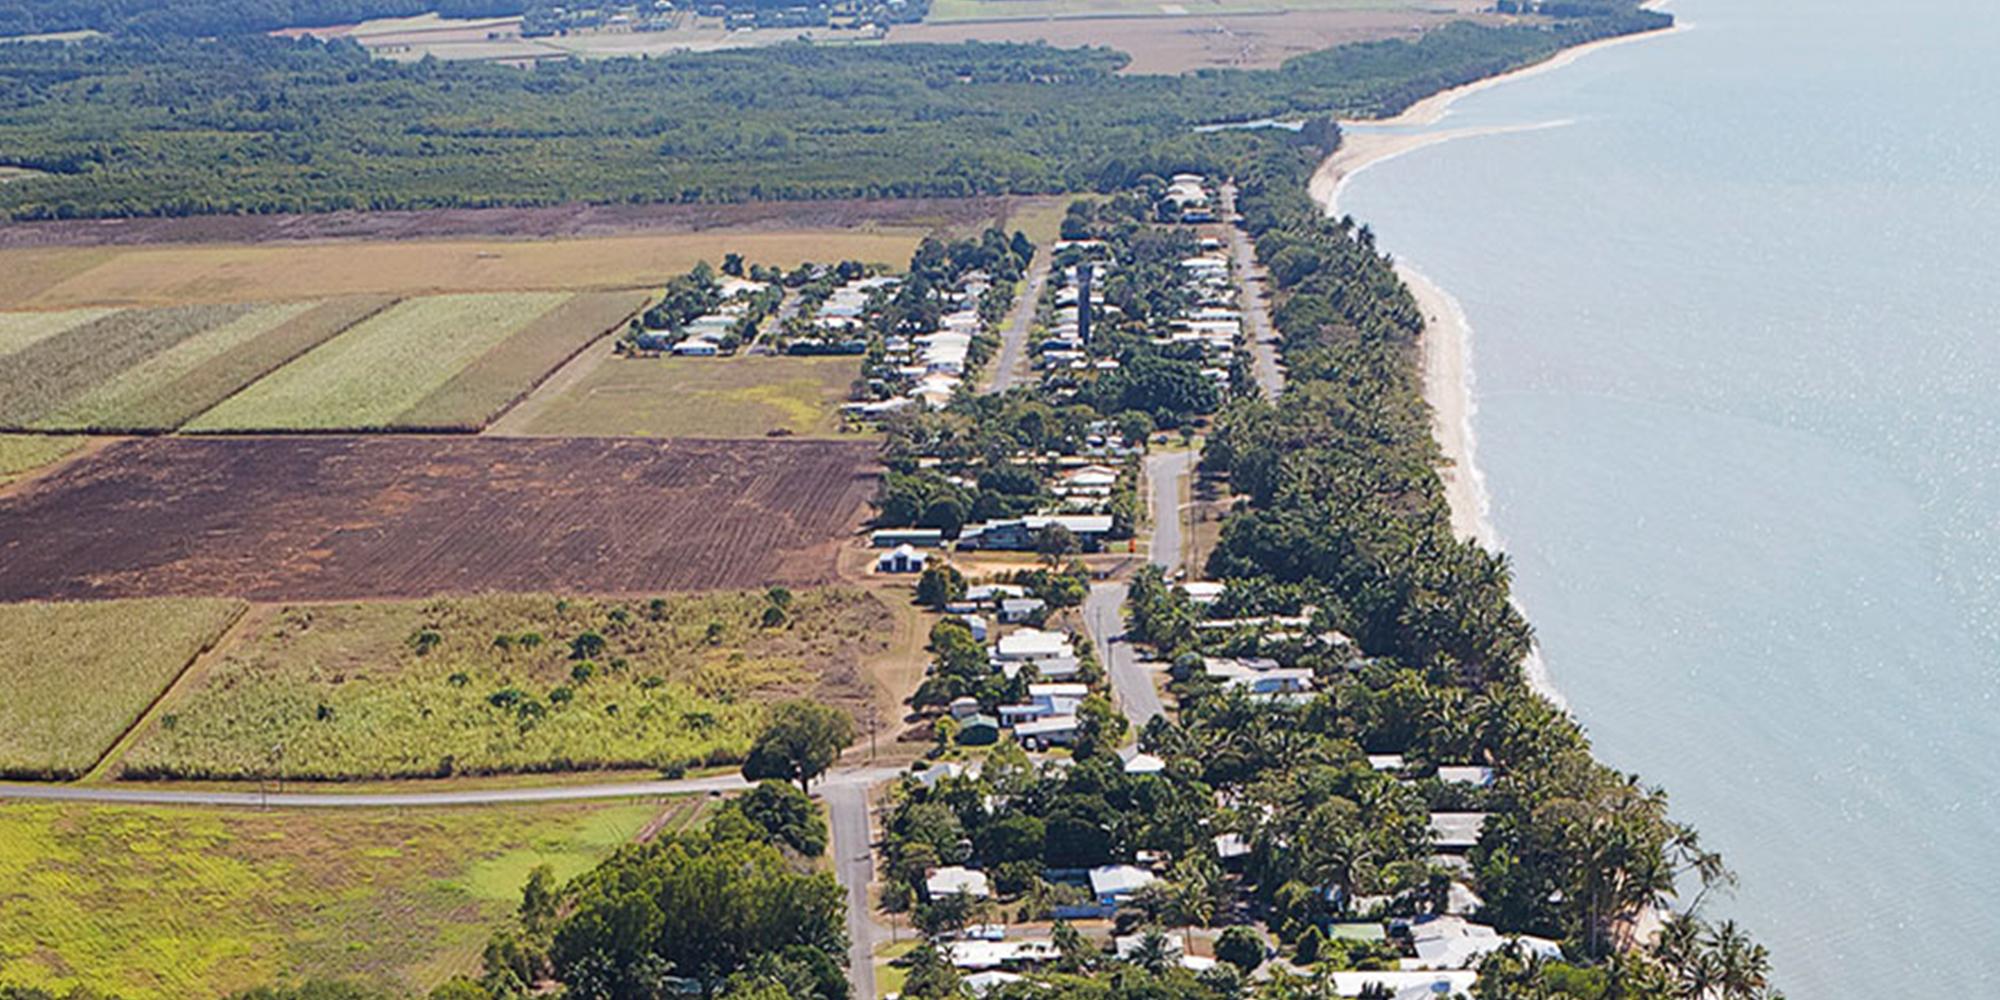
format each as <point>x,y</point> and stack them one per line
<point>329,518</point>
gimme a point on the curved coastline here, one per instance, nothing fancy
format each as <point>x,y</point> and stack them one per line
<point>1447,348</point>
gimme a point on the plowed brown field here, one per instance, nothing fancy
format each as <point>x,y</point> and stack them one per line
<point>325,518</point>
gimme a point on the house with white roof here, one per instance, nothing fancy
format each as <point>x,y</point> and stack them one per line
<point>956,880</point>
<point>1030,644</point>
<point>1481,777</point>
<point>1406,985</point>
<point>1447,942</point>
<point>1113,884</point>
<point>1456,831</point>
<point>1048,730</point>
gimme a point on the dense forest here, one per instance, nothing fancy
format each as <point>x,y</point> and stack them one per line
<point>179,126</point>
<point>197,18</point>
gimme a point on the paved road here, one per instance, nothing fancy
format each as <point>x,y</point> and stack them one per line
<point>131,795</point>
<point>854,865</point>
<point>1256,306</point>
<point>1014,339</point>
<point>1104,608</point>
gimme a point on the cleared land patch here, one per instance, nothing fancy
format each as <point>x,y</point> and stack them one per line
<point>745,397</point>
<point>191,904</point>
<point>76,676</point>
<point>341,518</point>
<point>371,374</point>
<point>508,683</point>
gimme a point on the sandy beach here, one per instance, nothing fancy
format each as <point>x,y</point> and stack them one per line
<point>1447,358</point>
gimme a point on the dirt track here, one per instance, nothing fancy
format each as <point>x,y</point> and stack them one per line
<point>325,518</point>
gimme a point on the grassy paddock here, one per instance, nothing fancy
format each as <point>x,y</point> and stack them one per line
<point>373,373</point>
<point>739,397</point>
<point>76,676</point>
<point>191,904</point>
<point>426,688</point>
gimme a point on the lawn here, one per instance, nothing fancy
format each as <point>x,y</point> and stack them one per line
<point>24,453</point>
<point>76,676</point>
<point>369,376</point>
<point>191,904</point>
<point>741,397</point>
<point>497,684</point>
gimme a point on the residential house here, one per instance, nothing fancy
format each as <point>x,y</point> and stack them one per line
<point>956,880</point>
<point>905,559</point>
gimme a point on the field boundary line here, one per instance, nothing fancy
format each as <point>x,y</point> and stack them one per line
<point>224,640</point>
<point>575,359</point>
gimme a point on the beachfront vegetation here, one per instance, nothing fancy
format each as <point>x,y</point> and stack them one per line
<point>76,676</point>
<point>504,683</point>
<point>152,903</point>
<point>180,126</point>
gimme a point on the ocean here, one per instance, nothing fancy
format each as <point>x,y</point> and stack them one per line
<point>1735,329</point>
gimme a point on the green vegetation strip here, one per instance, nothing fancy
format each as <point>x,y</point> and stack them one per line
<point>501,683</point>
<point>76,676</point>
<point>371,374</point>
<point>171,904</point>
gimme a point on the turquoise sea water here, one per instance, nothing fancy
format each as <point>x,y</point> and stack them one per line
<point>1736,334</point>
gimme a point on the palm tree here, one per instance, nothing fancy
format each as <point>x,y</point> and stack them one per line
<point>1152,953</point>
<point>1743,967</point>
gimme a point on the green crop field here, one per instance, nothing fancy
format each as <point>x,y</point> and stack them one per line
<point>24,453</point>
<point>383,368</point>
<point>76,676</point>
<point>192,904</point>
<point>703,397</point>
<point>499,683</point>
<point>47,374</point>
<point>171,387</point>
<point>504,374</point>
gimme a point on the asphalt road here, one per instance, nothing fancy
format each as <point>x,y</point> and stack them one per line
<point>1257,330</point>
<point>131,795</point>
<point>1014,339</point>
<point>1104,608</point>
<point>854,864</point>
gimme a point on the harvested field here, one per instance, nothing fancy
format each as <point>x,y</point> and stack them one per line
<point>76,676</point>
<point>153,903</point>
<point>743,397</point>
<point>374,373</point>
<point>508,683</point>
<point>21,454</point>
<point>229,273</point>
<point>501,376</point>
<point>53,371</point>
<point>340,518</point>
<point>560,222</point>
